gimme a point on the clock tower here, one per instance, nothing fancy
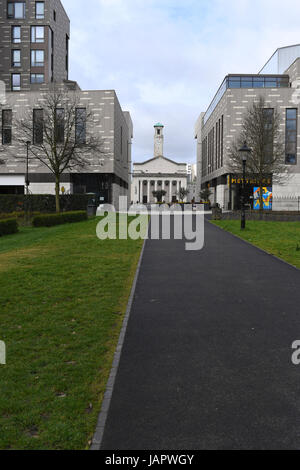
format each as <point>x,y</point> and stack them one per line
<point>158,140</point>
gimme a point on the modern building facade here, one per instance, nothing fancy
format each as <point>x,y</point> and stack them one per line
<point>34,43</point>
<point>220,125</point>
<point>158,173</point>
<point>40,32</point>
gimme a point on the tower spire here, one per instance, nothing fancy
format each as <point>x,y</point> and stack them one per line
<point>158,140</point>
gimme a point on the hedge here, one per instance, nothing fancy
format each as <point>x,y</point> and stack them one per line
<point>50,220</point>
<point>44,203</point>
<point>8,227</point>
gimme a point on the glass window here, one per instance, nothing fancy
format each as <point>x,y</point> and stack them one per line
<point>258,82</point>
<point>37,34</point>
<point>38,126</point>
<point>60,125</point>
<point>16,10</point>
<point>80,126</point>
<point>39,10</point>
<point>270,83</point>
<point>37,58</point>
<point>37,78</point>
<point>16,82</point>
<point>6,126</point>
<point>291,137</point>
<point>16,58</point>
<point>16,34</point>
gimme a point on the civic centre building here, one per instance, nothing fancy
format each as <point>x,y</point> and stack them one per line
<point>278,83</point>
<point>158,173</point>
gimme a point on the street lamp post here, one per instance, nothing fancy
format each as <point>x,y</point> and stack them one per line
<point>244,151</point>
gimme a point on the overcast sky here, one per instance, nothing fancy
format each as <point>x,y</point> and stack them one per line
<point>166,58</point>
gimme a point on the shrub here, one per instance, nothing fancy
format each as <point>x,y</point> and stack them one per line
<point>8,226</point>
<point>49,220</point>
<point>44,203</point>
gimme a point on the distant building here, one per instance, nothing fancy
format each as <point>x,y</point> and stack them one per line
<point>217,128</point>
<point>34,55</point>
<point>158,173</point>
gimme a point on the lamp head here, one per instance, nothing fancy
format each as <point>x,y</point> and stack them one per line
<point>245,151</point>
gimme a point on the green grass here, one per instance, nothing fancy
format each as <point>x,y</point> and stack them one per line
<point>63,294</point>
<point>281,239</point>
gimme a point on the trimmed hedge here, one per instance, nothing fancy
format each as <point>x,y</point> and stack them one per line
<point>44,203</point>
<point>8,226</point>
<point>50,220</point>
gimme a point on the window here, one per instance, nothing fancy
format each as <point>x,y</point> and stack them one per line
<point>16,10</point>
<point>39,10</point>
<point>80,126</point>
<point>16,82</point>
<point>16,58</point>
<point>37,34</point>
<point>268,133</point>
<point>37,78</point>
<point>37,58</point>
<point>16,34</point>
<point>6,126</point>
<point>291,137</point>
<point>54,15</point>
<point>59,126</point>
<point>38,125</point>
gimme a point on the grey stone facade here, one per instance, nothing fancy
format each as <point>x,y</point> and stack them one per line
<point>107,175</point>
<point>54,46</point>
<point>216,129</point>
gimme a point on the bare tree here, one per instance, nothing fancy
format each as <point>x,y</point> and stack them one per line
<point>261,131</point>
<point>182,193</point>
<point>159,194</point>
<point>61,132</point>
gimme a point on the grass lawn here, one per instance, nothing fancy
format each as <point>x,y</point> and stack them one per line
<point>281,239</point>
<point>63,294</point>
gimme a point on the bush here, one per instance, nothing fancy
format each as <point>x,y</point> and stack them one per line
<point>8,227</point>
<point>19,215</point>
<point>44,203</point>
<point>49,220</point>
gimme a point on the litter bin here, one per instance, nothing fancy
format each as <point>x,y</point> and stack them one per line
<point>92,206</point>
<point>216,212</point>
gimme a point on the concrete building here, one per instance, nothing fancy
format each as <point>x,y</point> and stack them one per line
<point>45,27</point>
<point>192,186</point>
<point>158,173</point>
<point>219,126</point>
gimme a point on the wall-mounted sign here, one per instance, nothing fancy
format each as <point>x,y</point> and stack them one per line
<point>239,180</point>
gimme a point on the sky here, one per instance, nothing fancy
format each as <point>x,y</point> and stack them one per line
<point>167,58</point>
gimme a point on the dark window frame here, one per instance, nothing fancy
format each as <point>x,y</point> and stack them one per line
<point>291,132</point>
<point>39,16</point>
<point>38,126</point>
<point>80,126</point>
<point>13,88</point>
<point>6,127</point>
<point>13,39</point>
<point>13,62</point>
<point>12,16</point>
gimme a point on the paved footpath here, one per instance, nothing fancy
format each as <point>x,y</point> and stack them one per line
<point>206,362</point>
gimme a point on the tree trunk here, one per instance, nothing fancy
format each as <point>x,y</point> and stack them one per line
<point>261,203</point>
<point>57,203</point>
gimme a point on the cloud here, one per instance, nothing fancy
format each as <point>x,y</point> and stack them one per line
<point>166,58</point>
